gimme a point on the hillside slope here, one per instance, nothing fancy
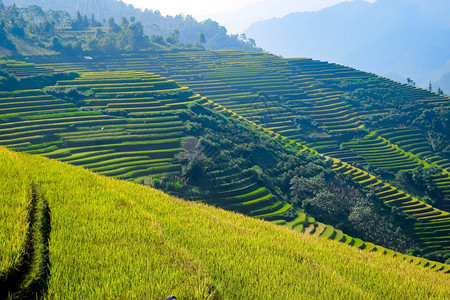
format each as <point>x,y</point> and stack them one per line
<point>320,105</point>
<point>306,106</point>
<point>136,242</point>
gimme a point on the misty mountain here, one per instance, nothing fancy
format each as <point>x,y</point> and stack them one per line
<point>239,21</point>
<point>153,22</point>
<point>398,39</point>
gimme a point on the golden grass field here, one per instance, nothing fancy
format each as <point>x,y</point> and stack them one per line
<point>112,239</point>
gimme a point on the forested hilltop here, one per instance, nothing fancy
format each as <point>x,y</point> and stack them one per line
<point>186,29</point>
<point>32,31</point>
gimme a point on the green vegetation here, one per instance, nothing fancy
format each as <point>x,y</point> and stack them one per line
<point>104,28</point>
<point>124,236</point>
<point>32,31</point>
<point>16,75</point>
<point>182,27</point>
<point>152,131</point>
<point>431,226</point>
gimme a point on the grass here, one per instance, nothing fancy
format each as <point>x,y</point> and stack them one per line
<point>136,242</point>
<point>14,212</point>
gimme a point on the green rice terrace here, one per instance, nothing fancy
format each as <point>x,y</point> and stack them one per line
<point>138,118</point>
<point>127,127</point>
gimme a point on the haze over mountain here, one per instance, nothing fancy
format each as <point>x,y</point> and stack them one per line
<point>238,21</point>
<point>398,39</point>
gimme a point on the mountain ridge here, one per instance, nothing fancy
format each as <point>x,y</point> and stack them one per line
<point>384,37</point>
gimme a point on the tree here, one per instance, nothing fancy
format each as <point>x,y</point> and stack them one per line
<point>303,188</point>
<point>124,23</point>
<point>78,19</point>
<point>111,22</point>
<point>34,13</point>
<point>325,201</point>
<point>440,92</point>
<point>99,34</point>
<point>174,37</point>
<point>201,38</point>
<point>4,41</point>
<point>430,87</point>
<point>193,158</point>
<point>410,81</point>
<point>59,17</point>
<point>85,22</point>
<point>114,27</point>
<point>79,22</point>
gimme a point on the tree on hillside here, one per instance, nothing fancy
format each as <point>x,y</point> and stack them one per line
<point>4,41</point>
<point>34,13</point>
<point>201,38</point>
<point>410,81</point>
<point>174,38</point>
<point>124,23</point>
<point>114,27</point>
<point>58,17</point>
<point>80,22</point>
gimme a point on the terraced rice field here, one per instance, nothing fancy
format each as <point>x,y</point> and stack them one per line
<point>128,127</point>
<point>272,93</point>
<point>240,193</point>
<point>140,145</point>
<point>331,233</point>
<point>432,224</point>
<point>384,154</point>
<point>431,229</point>
<point>403,149</point>
<point>307,225</point>
<point>409,139</point>
<point>23,69</point>
<point>251,87</point>
<point>276,93</point>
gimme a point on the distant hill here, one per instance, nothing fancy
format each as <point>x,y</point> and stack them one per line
<point>398,39</point>
<point>239,21</point>
<point>154,24</point>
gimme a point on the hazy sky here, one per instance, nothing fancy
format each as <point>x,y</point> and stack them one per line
<point>236,15</point>
<point>197,8</point>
